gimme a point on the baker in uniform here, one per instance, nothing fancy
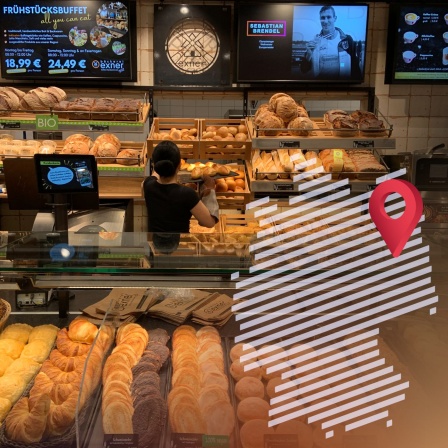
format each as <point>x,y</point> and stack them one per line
<point>332,54</point>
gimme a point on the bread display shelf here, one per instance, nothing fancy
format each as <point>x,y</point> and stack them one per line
<point>189,148</point>
<point>70,118</point>
<point>358,181</point>
<point>322,137</point>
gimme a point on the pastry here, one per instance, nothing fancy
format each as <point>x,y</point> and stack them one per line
<point>27,425</point>
<point>24,367</point>
<point>20,332</point>
<point>82,330</point>
<point>61,416</point>
<point>303,431</point>
<point>37,350</point>
<point>219,418</point>
<point>11,348</point>
<point>12,387</point>
<point>67,363</point>
<point>45,332</point>
<point>237,370</point>
<point>5,362</point>
<point>238,350</point>
<point>68,347</point>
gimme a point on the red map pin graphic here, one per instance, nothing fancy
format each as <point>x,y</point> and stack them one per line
<point>396,231</point>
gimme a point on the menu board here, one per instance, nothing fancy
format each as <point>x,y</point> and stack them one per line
<point>68,39</point>
<point>418,43</point>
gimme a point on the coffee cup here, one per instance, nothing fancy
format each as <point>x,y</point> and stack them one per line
<point>408,56</point>
<point>410,18</point>
<point>409,37</point>
<point>445,56</point>
<point>445,37</point>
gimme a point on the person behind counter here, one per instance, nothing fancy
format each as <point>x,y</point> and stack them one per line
<point>332,54</point>
<point>171,205</point>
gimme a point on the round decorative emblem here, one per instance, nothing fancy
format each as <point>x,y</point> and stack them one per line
<point>192,46</point>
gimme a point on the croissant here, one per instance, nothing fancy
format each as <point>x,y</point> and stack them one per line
<point>57,392</point>
<point>82,330</point>
<point>61,416</point>
<point>68,347</point>
<point>67,363</point>
<point>59,376</point>
<point>25,424</point>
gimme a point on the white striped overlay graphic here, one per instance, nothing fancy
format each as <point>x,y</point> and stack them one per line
<point>322,282</point>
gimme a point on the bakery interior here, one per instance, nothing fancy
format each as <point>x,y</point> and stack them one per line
<point>108,340</point>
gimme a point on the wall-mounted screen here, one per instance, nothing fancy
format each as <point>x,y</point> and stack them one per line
<point>301,42</point>
<point>66,173</point>
<point>417,50</point>
<point>56,40</point>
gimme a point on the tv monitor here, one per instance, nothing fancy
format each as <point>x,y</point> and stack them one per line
<point>66,173</point>
<point>417,44</point>
<point>62,40</point>
<point>301,42</point>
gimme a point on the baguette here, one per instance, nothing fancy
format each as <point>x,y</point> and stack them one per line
<point>278,166</point>
<point>258,165</point>
<point>269,165</point>
<point>285,160</point>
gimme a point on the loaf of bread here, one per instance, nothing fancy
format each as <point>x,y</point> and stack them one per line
<point>284,106</point>
<point>103,109</point>
<point>127,109</point>
<point>41,98</point>
<point>11,348</point>
<point>76,147</point>
<point>129,157</point>
<point>10,98</point>
<point>80,108</point>
<point>300,126</point>
<point>269,123</point>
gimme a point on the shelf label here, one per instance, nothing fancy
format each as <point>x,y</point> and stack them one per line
<point>186,440</point>
<point>98,127</point>
<point>10,125</point>
<point>283,187</point>
<point>290,144</point>
<point>363,144</point>
<point>209,441</point>
<point>281,440</point>
<point>47,123</point>
<point>120,441</point>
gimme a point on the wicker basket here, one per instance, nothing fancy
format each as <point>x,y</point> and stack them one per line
<point>5,311</point>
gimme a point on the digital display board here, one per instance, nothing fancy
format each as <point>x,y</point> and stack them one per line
<point>301,42</point>
<point>417,50</point>
<point>66,173</point>
<point>57,40</point>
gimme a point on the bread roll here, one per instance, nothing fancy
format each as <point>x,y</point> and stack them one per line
<point>24,367</point>
<point>5,362</point>
<point>20,332</point>
<point>223,170</point>
<point>249,387</point>
<point>253,432</point>
<point>237,370</point>
<point>82,330</point>
<point>37,350</point>
<point>12,387</point>
<point>11,348</point>
<point>44,332</point>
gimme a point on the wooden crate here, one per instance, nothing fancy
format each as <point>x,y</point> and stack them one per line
<point>189,149</point>
<point>210,149</point>
<point>235,200</point>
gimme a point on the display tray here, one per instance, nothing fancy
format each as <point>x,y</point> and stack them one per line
<point>358,180</point>
<point>135,166</point>
<point>184,132</point>
<point>212,149</point>
<point>71,117</point>
<point>322,136</point>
